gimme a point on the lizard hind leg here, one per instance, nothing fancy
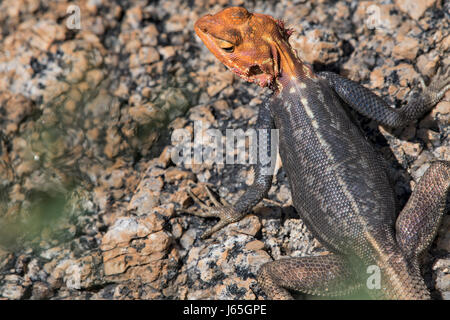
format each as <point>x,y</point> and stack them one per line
<point>419,220</point>
<point>326,275</point>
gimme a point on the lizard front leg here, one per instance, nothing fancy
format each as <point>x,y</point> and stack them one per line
<point>326,275</point>
<point>370,105</point>
<point>253,195</point>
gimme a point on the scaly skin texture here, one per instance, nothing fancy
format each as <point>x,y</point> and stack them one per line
<point>339,184</point>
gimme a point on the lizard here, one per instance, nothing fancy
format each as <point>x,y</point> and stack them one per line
<point>339,183</point>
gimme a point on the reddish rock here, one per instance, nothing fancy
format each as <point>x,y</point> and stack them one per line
<point>406,48</point>
<point>414,8</point>
<point>174,175</point>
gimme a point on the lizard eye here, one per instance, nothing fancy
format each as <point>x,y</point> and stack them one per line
<point>228,49</point>
<point>226,46</point>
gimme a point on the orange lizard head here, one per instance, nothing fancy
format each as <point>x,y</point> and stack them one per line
<point>248,44</point>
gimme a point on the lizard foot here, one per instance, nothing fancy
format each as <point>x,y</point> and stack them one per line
<point>438,85</point>
<point>222,210</point>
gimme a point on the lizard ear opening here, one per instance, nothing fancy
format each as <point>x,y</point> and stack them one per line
<point>254,70</point>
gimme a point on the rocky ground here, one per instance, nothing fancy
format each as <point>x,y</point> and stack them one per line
<point>90,200</point>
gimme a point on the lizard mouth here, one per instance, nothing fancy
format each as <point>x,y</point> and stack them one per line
<point>256,75</point>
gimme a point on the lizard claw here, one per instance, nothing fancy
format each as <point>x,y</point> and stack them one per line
<point>440,83</point>
<point>441,79</point>
<point>222,210</point>
<point>437,87</point>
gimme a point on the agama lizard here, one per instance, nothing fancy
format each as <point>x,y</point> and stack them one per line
<point>338,181</point>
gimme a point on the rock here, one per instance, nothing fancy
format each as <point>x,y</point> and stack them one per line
<point>317,45</point>
<point>406,48</point>
<point>188,238</point>
<point>26,167</point>
<point>235,287</point>
<point>254,245</point>
<point>84,273</point>
<point>176,23</point>
<point>222,107</point>
<point>121,233</point>
<point>148,55</point>
<point>164,159</point>
<point>146,196</point>
<point>12,290</point>
<point>432,138</point>
<point>443,237</point>
<point>244,113</point>
<point>134,16</point>
<point>168,52</point>
<point>415,9</point>
<point>427,63</point>
<point>209,267</point>
<point>216,87</point>
<point>115,179</point>
<point>113,140</point>
<point>377,78</point>
<point>443,283</point>
<point>142,257</point>
<point>442,270</point>
<point>144,114</point>
<point>405,72</point>
<point>16,108</point>
<point>412,149</point>
<point>94,77</point>
<point>249,225</point>
<point>174,175</point>
<point>44,33</point>
<point>182,198</point>
<point>150,35</point>
<point>135,246</point>
<point>40,291</point>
